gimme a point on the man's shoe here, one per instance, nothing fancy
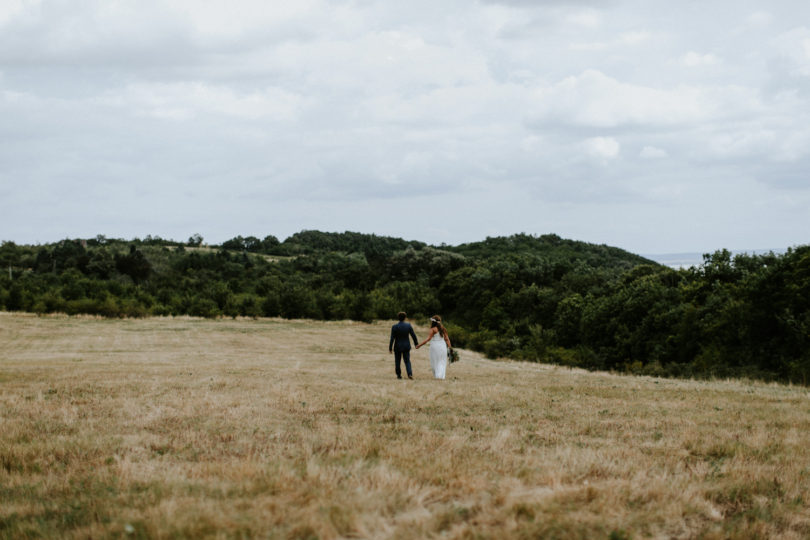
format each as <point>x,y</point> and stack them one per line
<point>410,377</point>
<point>399,376</point>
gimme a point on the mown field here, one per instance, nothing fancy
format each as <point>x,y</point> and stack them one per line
<point>191,428</point>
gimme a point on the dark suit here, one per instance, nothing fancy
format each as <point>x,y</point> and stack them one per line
<point>401,345</point>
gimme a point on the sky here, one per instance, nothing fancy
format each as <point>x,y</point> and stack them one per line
<point>654,126</point>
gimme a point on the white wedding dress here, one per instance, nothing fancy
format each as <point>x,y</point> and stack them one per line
<point>438,356</point>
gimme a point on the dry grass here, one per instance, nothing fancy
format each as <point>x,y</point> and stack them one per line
<point>209,250</point>
<point>175,428</point>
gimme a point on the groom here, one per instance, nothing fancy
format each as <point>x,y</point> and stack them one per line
<point>400,345</point>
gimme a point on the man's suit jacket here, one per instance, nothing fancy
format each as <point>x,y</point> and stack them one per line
<point>399,337</point>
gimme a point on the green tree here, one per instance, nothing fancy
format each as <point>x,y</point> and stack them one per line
<point>195,240</point>
<point>134,265</point>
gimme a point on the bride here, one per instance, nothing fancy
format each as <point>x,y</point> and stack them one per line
<point>439,343</point>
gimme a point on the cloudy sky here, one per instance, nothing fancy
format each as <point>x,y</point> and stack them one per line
<point>655,126</point>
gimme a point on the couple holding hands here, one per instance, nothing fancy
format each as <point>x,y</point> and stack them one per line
<point>400,345</point>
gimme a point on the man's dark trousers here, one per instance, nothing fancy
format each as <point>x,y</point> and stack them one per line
<point>400,333</point>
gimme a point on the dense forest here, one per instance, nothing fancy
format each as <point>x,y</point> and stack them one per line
<point>534,298</point>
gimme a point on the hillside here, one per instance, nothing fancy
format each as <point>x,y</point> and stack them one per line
<point>534,298</point>
<point>194,428</point>
<point>552,247</point>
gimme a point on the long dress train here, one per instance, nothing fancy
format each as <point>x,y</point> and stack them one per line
<point>438,356</point>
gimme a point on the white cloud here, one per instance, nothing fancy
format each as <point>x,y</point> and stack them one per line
<point>588,18</point>
<point>532,143</point>
<point>225,18</point>
<point>315,107</point>
<point>184,101</point>
<point>625,39</point>
<point>793,48</point>
<point>693,59</point>
<point>589,47</point>
<point>635,37</point>
<point>594,99</point>
<point>12,8</point>
<point>602,147</point>
<point>652,152</point>
<point>760,18</point>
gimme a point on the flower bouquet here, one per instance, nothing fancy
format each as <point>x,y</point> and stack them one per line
<point>452,355</point>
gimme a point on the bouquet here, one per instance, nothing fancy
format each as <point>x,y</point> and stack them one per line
<point>452,355</point>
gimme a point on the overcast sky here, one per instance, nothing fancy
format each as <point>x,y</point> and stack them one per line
<point>655,126</point>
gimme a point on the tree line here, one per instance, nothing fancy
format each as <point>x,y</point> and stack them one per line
<point>534,298</point>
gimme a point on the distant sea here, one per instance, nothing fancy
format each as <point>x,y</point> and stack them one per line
<point>687,260</point>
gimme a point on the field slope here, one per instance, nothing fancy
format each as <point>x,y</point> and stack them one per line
<point>180,427</point>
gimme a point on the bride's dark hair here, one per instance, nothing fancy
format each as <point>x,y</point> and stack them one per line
<point>436,322</point>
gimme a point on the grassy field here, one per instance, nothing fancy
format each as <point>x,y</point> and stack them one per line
<point>187,428</point>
